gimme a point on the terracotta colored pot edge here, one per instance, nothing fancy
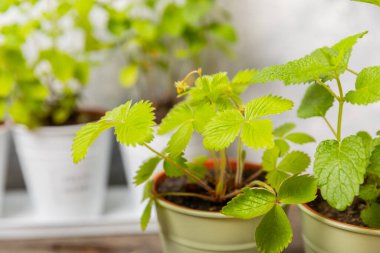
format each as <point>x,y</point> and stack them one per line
<point>337,224</point>
<point>186,210</point>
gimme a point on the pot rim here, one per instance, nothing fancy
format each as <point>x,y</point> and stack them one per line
<point>192,212</point>
<point>4,127</point>
<point>338,224</point>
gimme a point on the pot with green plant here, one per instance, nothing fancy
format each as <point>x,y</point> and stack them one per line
<point>154,39</point>
<point>346,168</point>
<point>214,204</point>
<point>45,57</point>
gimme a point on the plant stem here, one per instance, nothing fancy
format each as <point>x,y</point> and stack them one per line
<point>262,184</point>
<point>319,81</point>
<point>239,165</point>
<point>186,194</point>
<point>352,71</point>
<point>330,126</point>
<point>172,162</point>
<point>254,175</point>
<point>220,186</point>
<point>340,113</point>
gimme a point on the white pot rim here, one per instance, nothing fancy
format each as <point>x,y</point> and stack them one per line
<point>4,127</point>
<point>338,224</point>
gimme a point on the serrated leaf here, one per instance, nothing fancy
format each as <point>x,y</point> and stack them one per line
<point>369,192</point>
<point>375,2</point>
<point>201,115</point>
<point>86,136</point>
<point>374,166</point>
<point>298,190</point>
<point>146,170</point>
<point>276,177</point>
<point>316,102</point>
<point>270,157</point>
<point>242,79</point>
<point>179,114</point>
<point>340,169</point>
<point>283,146</point>
<point>367,87</point>
<point>323,63</point>
<point>367,142</point>
<point>274,232</point>
<point>295,162</point>
<point>180,139</point>
<point>173,171</point>
<point>370,216</point>
<point>300,138</point>
<point>266,106</point>
<point>145,218</point>
<point>147,194</point>
<point>250,203</point>
<point>222,130</point>
<point>283,129</point>
<point>258,134</point>
<point>128,75</point>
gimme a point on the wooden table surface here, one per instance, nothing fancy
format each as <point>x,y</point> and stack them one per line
<point>116,244</point>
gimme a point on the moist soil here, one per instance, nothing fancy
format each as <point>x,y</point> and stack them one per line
<point>181,184</point>
<point>350,216</point>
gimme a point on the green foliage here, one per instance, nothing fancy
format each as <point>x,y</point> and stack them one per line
<point>316,102</point>
<point>370,216</point>
<point>367,87</point>
<point>250,203</point>
<point>375,2</point>
<point>283,129</point>
<point>146,170</point>
<point>300,138</point>
<point>128,75</point>
<point>340,169</point>
<point>145,218</point>
<point>298,190</point>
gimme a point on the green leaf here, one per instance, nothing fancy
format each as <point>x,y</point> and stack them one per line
<point>274,232</point>
<point>128,75</point>
<point>295,162</point>
<point>146,170</point>
<point>172,170</point>
<point>6,84</point>
<point>270,157</point>
<point>133,124</point>
<point>283,129</point>
<point>222,130</point>
<point>300,138</point>
<point>86,136</point>
<point>298,190</point>
<point>266,106</point>
<point>276,177</point>
<point>179,114</point>
<point>370,216</point>
<point>148,190</point>
<point>180,139</point>
<point>197,167</point>
<point>375,2</point>
<point>63,65</point>
<point>145,218</point>
<point>367,87</point>
<point>323,63</point>
<point>283,146</point>
<point>374,166</point>
<point>316,102</point>
<point>250,203</point>
<point>258,134</point>
<point>369,192</point>
<point>242,79</point>
<point>81,72</point>
<point>340,169</point>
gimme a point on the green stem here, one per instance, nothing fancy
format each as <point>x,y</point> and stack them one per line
<point>220,186</point>
<point>239,165</point>
<point>172,162</point>
<point>340,113</point>
<point>352,71</point>
<point>262,184</point>
<point>330,126</point>
<point>254,175</point>
<point>186,194</point>
<point>319,81</point>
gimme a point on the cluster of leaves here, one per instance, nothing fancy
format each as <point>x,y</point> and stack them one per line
<point>212,107</point>
<point>161,36</point>
<point>343,166</point>
<point>40,75</point>
<point>375,2</point>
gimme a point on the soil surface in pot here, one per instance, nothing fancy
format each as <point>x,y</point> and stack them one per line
<point>350,216</point>
<point>78,117</point>
<point>181,184</point>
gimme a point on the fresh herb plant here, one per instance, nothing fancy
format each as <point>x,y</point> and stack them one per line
<point>213,108</point>
<point>45,49</point>
<point>345,167</point>
<point>156,37</point>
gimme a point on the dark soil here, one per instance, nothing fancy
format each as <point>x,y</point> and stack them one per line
<point>182,185</point>
<point>162,108</point>
<point>78,117</point>
<point>350,216</point>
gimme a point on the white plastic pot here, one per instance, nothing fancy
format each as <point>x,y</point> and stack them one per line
<point>4,149</point>
<point>58,188</point>
<point>133,157</point>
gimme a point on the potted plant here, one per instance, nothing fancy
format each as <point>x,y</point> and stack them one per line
<point>346,168</point>
<point>214,204</point>
<point>154,39</point>
<point>45,49</point>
